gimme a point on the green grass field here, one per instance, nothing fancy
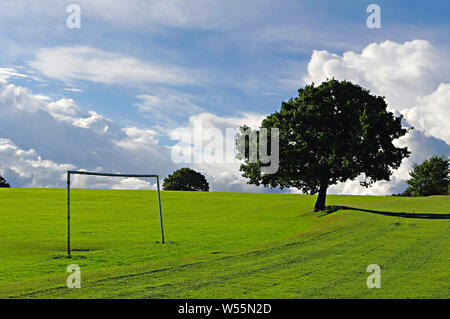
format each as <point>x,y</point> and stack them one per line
<point>222,245</point>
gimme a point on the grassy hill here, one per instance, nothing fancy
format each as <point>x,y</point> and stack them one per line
<point>222,245</point>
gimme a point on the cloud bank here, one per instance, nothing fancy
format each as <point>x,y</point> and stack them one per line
<point>46,137</point>
<point>41,137</point>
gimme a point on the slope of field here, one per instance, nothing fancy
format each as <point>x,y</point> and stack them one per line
<point>222,245</point>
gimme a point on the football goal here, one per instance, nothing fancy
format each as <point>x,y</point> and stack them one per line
<point>69,173</point>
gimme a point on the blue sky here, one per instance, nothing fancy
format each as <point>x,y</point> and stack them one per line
<point>148,67</point>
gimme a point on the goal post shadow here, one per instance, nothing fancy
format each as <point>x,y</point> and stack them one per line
<point>69,173</point>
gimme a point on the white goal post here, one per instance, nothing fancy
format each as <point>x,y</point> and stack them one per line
<point>108,175</point>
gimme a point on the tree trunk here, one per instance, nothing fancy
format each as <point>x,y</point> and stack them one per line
<point>320,203</point>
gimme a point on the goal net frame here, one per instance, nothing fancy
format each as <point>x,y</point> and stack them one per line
<point>69,173</point>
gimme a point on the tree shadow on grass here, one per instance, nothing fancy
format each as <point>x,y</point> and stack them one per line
<point>331,209</point>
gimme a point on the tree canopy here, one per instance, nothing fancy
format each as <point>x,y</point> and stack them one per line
<point>186,179</point>
<point>331,133</point>
<point>3,182</point>
<point>429,178</point>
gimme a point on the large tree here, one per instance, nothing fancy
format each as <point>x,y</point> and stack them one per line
<point>330,133</point>
<point>186,179</point>
<point>429,178</point>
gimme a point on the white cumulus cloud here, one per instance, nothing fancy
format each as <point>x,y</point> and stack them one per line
<point>432,113</point>
<point>27,167</point>
<point>414,78</point>
<point>400,72</point>
<point>40,135</point>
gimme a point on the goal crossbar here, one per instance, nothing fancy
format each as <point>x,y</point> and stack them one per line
<point>69,173</point>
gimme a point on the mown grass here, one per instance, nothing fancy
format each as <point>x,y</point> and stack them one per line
<point>222,245</point>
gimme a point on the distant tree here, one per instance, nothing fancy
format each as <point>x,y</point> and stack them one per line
<point>429,178</point>
<point>330,133</point>
<point>186,179</point>
<point>3,182</point>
